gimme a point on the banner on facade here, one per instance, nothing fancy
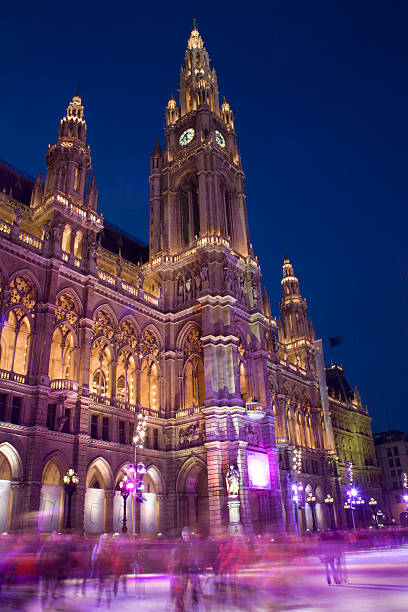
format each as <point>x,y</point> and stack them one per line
<point>258,470</point>
<point>50,508</point>
<point>4,503</point>
<point>148,514</point>
<point>94,510</point>
<point>118,513</point>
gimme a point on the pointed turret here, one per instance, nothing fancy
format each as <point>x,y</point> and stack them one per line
<point>37,192</point>
<point>295,331</point>
<point>198,83</point>
<point>69,160</point>
<point>92,195</point>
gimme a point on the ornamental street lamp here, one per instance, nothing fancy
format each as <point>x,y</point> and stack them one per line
<point>360,502</point>
<point>349,505</point>
<point>373,505</point>
<point>311,500</point>
<point>329,501</point>
<point>297,489</point>
<point>138,442</point>
<point>125,487</point>
<point>71,481</point>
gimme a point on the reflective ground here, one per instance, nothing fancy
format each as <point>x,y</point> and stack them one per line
<point>367,571</point>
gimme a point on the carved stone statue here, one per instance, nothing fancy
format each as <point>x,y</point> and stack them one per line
<point>232,480</point>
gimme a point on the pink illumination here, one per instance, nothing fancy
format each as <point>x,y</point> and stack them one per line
<point>130,486</point>
<point>258,470</point>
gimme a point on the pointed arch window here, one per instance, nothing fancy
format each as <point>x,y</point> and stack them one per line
<point>101,368</point>
<point>149,385</point>
<point>194,383</point>
<point>66,239</point>
<point>62,355</point>
<point>243,384</point>
<point>190,212</point>
<point>15,342</point>
<point>126,377</point>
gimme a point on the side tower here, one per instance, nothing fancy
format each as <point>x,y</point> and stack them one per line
<point>201,257</point>
<point>295,329</point>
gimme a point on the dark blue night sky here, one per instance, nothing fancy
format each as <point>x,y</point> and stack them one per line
<point>320,96</point>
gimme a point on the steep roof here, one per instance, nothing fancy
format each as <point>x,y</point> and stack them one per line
<point>337,383</point>
<point>132,249</point>
<point>15,182</point>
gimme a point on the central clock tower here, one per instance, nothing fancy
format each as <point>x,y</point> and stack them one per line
<point>197,181</point>
<point>202,266</point>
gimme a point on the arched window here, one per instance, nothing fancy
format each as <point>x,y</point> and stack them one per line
<point>126,377</point>
<point>101,368</point>
<point>62,355</point>
<point>66,239</point>
<point>149,385</point>
<point>194,383</point>
<point>78,244</point>
<point>15,342</point>
<point>243,382</point>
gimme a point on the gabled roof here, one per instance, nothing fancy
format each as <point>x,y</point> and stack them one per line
<point>337,383</point>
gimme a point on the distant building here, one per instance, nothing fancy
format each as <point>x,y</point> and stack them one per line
<point>392,454</point>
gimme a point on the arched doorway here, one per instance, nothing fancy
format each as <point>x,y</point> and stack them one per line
<point>98,478</point>
<point>5,497</point>
<point>192,494</point>
<point>320,520</point>
<point>51,499</point>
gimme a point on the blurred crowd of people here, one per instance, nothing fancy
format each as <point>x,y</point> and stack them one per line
<point>199,569</point>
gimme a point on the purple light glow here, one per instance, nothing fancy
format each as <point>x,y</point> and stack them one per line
<point>258,470</point>
<point>130,486</point>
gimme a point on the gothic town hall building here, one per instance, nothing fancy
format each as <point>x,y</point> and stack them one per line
<point>97,327</point>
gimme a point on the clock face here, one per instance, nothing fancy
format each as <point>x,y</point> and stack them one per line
<point>186,137</point>
<point>219,138</point>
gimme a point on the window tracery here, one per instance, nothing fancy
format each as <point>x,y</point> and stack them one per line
<point>66,310</point>
<point>22,292</point>
<point>149,344</point>
<point>103,325</point>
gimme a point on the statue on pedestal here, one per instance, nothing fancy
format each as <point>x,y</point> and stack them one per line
<point>232,480</point>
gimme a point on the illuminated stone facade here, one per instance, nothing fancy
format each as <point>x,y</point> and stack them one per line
<point>97,328</point>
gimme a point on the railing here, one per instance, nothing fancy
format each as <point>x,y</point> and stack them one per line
<point>186,412</point>
<point>5,227</point>
<point>129,288</point>
<point>64,384</point>
<point>281,440</point>
<point>118,403</point>
<point>31,240</point>
<point>108,278</point>
<point>7,375</point>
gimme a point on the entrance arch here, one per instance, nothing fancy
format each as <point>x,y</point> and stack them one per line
<point>52,497</point>
<point>192,495</point>
<point>98,478</point>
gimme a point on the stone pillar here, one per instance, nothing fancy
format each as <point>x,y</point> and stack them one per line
<point>216,487</point>
<point>109,499</point>
<point>17,506</point>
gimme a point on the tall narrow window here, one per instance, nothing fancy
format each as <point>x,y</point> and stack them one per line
<point>105,428</point>
<point>195,209</point>
<point>3,400</point>
<point>76,181</point>
<point>227,197</point>
<point>51,416</point>
<point>94,426</point>
<point>121,432</point>
<point>16,410</point>
<point>185,217</point>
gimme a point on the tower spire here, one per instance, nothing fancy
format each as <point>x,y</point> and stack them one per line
<point>198,83</point>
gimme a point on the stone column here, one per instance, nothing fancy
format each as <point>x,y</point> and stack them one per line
<point>17,507</point>
<point>216,487</point>
<point>109,499</point>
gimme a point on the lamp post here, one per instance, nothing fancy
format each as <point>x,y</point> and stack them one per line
<point>71,481</point>
<point>311,500</point>
<point>360,502</point>
<point>297,489</point>
<point>138,442</point>
<point>349,505</point>
<point>125,486</point>
<point>329,501</point>
<point>373,503</point>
